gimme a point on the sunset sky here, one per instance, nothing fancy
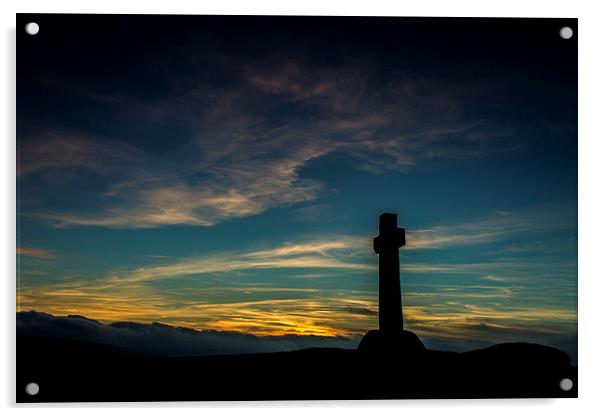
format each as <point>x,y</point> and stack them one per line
<point>227,173</point>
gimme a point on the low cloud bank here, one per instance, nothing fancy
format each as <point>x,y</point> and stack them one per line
<point>164,339</point>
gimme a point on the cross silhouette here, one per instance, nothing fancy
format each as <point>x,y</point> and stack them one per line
<point>386,245</point>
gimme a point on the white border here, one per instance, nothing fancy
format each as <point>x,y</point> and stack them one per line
<point>590,201</point>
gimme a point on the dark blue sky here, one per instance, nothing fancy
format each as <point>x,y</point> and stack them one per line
<point>228,173</point>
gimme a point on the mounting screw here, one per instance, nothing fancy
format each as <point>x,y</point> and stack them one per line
<point>566,32</point>
<point>566,384</point>
<point>32,389</point>
<point>32,28</point>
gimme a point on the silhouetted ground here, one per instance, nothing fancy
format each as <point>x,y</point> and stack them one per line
<point>80,371</point>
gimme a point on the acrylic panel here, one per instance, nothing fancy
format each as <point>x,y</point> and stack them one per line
<point>288,208</point>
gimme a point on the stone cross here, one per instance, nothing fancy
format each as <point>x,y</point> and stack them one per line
<point>386,245</point>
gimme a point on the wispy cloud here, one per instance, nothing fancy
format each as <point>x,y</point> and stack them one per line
<point>440,319</point>
<point>354,253</point>
<point>243,157</point>
<point>321,313</point>
<point>53,154</point>
<point>482,305</point>
<point>35,252</point>
<point>317,254</point>
<point>154,194</point>
<point>501,225</point>
<point>496,278</point>
<point>449,314</point>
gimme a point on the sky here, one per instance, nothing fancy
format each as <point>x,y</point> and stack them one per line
<point>227,173</point>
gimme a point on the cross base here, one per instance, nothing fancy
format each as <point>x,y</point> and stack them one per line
<point>405,343</point>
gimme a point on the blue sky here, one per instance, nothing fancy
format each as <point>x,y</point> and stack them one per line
<point>229,175</point>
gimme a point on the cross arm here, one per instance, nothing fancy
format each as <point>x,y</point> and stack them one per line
<point>390,241</point>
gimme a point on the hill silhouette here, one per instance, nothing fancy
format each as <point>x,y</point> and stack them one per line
<point>76,370</point>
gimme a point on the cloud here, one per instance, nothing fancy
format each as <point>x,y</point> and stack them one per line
<point>150,193</point>
<point>336,253</point>
<point>496,278</point>
<point>354,124</point>
<point>289,78</point>
<point>211,293</point>
<point>53,153</point>
<point>243,155</point>
<point>312,247</point>
<point>502,225</point>
<point>480,309</point>
<point>455,324</point>
<point>245,290</point>
<point>259,311</point>
<point>354,253</point>
<point>339,90</point>
<point>34,252</point>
